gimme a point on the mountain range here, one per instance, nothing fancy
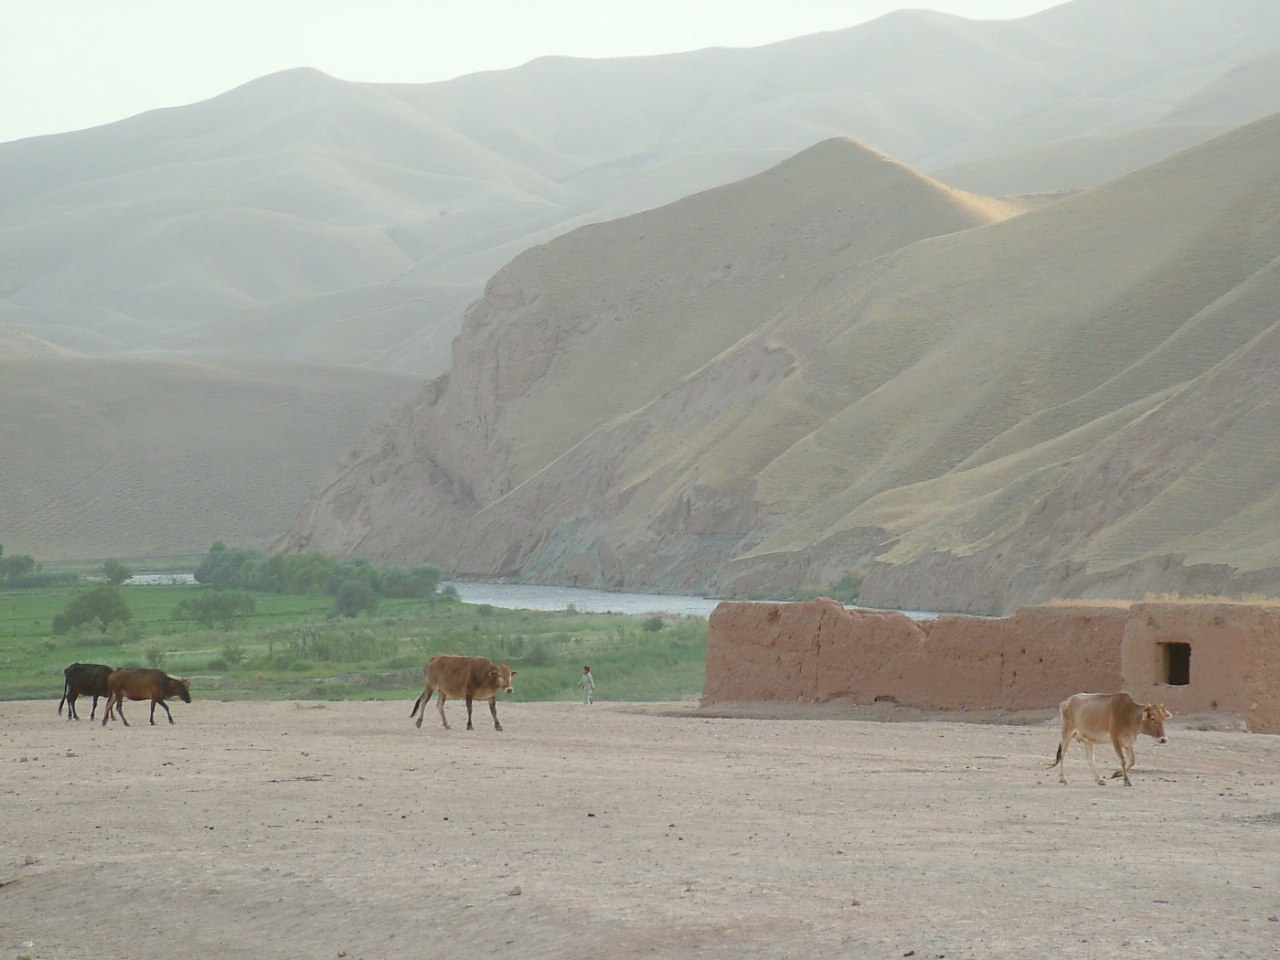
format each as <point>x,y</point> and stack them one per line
<point>844,367</point>
<point>303,218</point>
<point>880,301</point>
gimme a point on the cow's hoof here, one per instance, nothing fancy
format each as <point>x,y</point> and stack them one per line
<point>418,724</point>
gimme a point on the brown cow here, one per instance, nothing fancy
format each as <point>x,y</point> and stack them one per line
<point>1098,717</point>
<point>83,680</point>
<point>473,678</point>
<point>153,685</point>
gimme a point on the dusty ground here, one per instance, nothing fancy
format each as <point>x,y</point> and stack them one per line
<point>331,830</point>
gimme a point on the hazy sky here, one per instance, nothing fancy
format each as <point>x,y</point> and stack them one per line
<point>69,64</point>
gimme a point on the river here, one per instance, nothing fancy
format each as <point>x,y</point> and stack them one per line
<point>519,596</point>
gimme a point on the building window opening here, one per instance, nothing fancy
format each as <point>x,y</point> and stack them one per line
<point>1177,664</point>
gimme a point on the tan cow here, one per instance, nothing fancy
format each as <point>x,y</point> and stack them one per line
<point>153,685</point>
<point>1095,718</point>
<point>472,678</point>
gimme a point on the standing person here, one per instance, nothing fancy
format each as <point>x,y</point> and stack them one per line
<point>588,685</point>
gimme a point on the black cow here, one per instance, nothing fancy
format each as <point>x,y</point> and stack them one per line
<point>87,679</point>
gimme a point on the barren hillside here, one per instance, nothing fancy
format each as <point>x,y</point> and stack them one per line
<point>310,221</point>
<point>271,222</point>
<point>1079,399</point>
<point>127,458</point>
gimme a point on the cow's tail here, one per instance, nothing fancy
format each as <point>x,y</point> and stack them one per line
<point>1056,760</point>
<point>416,704</point>
<point>66,688</point>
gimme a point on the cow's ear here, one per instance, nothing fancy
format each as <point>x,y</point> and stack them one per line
<point>1166,713</point>
<point>514,672</point>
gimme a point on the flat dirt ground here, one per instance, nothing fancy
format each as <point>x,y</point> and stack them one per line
<point>329,830</point>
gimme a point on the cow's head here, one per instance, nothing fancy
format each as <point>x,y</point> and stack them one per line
<point>1153,717</point>
<point>180,687</point>
<point>501,677</point>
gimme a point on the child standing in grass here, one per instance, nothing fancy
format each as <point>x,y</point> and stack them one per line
<point>588,685</point>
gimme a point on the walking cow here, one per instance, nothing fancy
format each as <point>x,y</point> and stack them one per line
<point>154,685</point>
<point>83,679</point>
<point>472,678</point>
<point>1101,717</point>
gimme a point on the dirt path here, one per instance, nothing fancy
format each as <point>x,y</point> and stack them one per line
<point>338,830</point>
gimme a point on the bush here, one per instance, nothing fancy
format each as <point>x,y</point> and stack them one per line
<point>233,653</point>
<point>540,654</point>
<point>653,624</point>
<point>115,572</point>
<point>352,598</point>
<point>350,647</point>
<point>225,568</point>
<point>846,589</point>
<point>101,605</point>
<point>217,665</point>
<point>215,606</point>
<point>156,654</point>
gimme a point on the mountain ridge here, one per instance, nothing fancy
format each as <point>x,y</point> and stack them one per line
<point>895,408</point>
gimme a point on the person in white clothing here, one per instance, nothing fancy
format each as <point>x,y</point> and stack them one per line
<point>588,685</point>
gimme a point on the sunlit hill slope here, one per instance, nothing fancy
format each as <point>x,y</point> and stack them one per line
<point>970,411</point>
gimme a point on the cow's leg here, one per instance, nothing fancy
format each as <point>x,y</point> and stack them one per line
<point>1088,752</point>
<point>440,706</point>
<point>115,702</point>
<point>94,708</point>
<point>1063,746</point>
<point>469,698</point>
<point>1124,761</point>
<point>420,705</point>
<point>166,709</point>
<point>493,708</point>
<point>71,707</point>
<point>1132,760</point>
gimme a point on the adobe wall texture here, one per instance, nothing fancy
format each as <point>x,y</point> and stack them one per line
<point>818,650</point>
<point>1234,659</point>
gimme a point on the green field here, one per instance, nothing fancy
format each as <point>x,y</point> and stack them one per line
<point>289,649</point>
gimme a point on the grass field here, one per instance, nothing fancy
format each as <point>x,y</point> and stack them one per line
<point>289,649</point>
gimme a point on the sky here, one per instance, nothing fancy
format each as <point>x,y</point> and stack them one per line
<point>71,64</point>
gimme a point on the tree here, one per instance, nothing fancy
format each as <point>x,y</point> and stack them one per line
<point>216,606</point>
<point>102,604</point>
<point>115,572</point>
<point>354,596</point>
<point>14,567</point>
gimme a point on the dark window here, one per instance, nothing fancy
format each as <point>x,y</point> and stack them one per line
<point>1177,664</point>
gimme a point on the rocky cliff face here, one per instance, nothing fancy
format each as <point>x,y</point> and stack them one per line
<point>843,366</point>
<point>567,442</point>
